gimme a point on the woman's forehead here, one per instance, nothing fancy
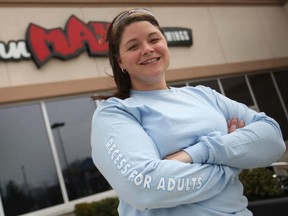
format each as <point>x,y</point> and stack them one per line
<point>139,29</point>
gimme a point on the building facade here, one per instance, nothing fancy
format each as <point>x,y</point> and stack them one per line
<point>52,61</point>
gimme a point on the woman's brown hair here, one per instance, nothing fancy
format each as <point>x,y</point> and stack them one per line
<point>114,37</point>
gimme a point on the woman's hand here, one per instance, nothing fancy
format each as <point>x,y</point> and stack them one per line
<point>182,156</point>
<point>234,123</point>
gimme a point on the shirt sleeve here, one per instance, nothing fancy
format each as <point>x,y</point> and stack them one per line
<point>128,158</point>
<point>258,144</point>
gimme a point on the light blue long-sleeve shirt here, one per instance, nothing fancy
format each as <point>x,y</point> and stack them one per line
<point>130,139</point>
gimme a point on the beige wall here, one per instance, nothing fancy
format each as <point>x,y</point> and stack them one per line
<point>221,34</point>
<point>229,34</point>
<point>286,8</point>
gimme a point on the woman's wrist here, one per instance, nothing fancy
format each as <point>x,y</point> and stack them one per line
<point>180,156</point>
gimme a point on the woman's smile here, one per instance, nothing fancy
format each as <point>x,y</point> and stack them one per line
<point>149,61</point>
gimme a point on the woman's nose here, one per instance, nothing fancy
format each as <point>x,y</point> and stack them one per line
<point>147,48</point>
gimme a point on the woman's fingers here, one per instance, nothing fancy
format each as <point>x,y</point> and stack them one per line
<point>234,123</point>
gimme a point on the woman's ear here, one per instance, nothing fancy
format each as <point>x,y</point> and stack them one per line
<point>119,62</point>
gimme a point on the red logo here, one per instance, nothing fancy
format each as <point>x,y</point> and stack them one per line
<point>77,37</point>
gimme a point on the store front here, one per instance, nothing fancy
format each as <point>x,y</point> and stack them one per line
<point>238,49</point>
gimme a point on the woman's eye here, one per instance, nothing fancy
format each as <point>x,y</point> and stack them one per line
<point>133,47</point>
<point>154,40</point>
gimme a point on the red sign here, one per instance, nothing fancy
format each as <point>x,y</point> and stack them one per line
<point>77,37</point>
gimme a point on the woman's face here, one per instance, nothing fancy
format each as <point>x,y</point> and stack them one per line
<point>144,54</point>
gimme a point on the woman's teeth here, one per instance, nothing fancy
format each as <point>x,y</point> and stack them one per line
<point>150,61</point>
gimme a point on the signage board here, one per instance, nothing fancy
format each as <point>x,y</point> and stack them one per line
<point>43,44</point>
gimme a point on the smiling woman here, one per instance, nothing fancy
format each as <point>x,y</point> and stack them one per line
<point>168,150</point>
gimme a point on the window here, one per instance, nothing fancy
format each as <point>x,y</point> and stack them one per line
<point>70,123</point>
<point>28,179</point>
<point>282,82</point>
<point>236,88</point>
<point>268,99</point>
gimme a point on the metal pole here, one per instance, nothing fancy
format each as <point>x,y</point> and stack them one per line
<point>54,154</point>
<point>1,207</point>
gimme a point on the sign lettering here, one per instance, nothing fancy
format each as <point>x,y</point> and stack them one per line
<point>42,44</point>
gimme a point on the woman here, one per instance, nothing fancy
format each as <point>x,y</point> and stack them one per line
<point>168,151</point>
